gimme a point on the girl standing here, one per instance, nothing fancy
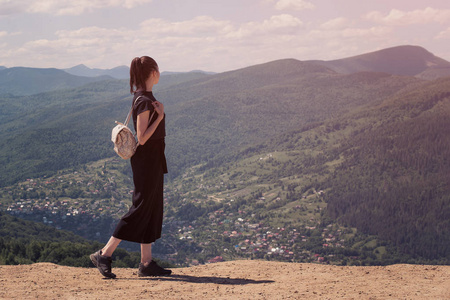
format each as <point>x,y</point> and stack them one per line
<point>143,222</point>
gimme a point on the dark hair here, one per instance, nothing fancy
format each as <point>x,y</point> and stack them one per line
<point>140,70</point>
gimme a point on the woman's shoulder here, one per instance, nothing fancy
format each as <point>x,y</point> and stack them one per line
<point>140,97</point>
<point>142,102</point>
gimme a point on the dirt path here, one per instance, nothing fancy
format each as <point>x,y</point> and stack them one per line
<point>230,280</point>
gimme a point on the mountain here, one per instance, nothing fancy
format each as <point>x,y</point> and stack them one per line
<point>61,125</point>
<point>247,106</point>
<point>22,81</point>
<point>269,143</point>
<point>205,113</point>
<point>384,168</point>
<point>235,108</point>
<point>401,60</point>
<point>393,180</point>
<point>121,72</point>
<point>381,168</point>
<point>193,71</point>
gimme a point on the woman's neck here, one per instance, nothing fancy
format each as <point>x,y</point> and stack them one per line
<point>149,84</point>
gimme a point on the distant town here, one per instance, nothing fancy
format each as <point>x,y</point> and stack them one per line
<point>89,205</point>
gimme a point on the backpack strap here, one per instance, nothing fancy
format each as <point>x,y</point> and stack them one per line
<point>131,110</point>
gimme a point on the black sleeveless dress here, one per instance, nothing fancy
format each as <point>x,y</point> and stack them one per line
<point>143,222</point>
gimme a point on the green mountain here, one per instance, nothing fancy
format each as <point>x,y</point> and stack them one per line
<point>27,81</point>
<point>401,60</point>
<point>63,128</point>
<point>384,168</point>
<point>394,177</point>
<point>287,143</point>
<point>121,72</point>
<point>234,109</point>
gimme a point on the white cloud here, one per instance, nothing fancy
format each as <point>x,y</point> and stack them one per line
<point>63,7</point>
<point>276,25</point>
<point>199,43</point>
<point>203,39</point>
<point>335,24</point>
<point>8,7</point>
<point>203,42</point>
<point>443,35</point>
<point>341,37</point>
<point>404,18</point>
<point>293,5</point>
<point>199,26</point>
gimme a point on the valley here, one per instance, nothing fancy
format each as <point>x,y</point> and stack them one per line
<point>288,160</point>
<point>225,221</point>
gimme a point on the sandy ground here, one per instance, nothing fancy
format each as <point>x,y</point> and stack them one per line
<point>229,280</point>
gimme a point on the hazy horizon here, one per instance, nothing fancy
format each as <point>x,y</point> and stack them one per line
<point>176,71</point>
<point>212,36</point>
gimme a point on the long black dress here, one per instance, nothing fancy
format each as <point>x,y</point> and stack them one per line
<point>143,222</point>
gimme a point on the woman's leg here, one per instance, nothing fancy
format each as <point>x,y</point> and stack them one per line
<point>110,246</point>
<point>146,254</point>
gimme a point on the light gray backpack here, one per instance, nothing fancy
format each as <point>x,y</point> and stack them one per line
<point>124,140</point>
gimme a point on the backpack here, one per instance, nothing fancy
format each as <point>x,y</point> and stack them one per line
<point>124,140</point>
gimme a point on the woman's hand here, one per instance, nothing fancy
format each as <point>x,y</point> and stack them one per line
<point>159,108</point>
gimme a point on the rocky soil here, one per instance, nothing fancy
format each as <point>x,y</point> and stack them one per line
<point>230,280</point>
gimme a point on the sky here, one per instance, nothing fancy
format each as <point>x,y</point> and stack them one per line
<point>213,35</point>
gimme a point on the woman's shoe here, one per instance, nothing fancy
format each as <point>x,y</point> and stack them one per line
<point>103,263</point>
<point>152,270</point>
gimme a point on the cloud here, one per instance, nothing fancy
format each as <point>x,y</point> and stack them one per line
<point>204,42</point>
<point>275,25</point>
<point>335,24</point>
<point>293,5</point>
<point>199,26</point>
<point>63,7</point>
<point>443,35</point>
<point>404,18</point>
<point>342,37</point>
<point>203,39</point>
<point>9,7</point>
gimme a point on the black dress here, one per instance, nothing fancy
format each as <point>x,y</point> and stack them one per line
<point>143,222</point>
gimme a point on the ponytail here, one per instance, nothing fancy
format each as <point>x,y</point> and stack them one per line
<point>140,70</point>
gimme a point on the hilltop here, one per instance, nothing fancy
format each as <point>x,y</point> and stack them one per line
<point>229,280</point>
<point>401,60</point>
<point>22,81</point>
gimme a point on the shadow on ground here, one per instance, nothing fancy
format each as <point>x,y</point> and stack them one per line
<point>203,279</point>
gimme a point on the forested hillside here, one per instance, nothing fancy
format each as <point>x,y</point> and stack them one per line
<point>51,131</point>
<point>394,177</point>
<point>357,162</point>
<point>384,168</point>
<point>24,242</point>
<point>22,81</point>
<point>233,110</point>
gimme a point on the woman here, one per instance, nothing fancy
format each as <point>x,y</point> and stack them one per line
<point>143,222</point>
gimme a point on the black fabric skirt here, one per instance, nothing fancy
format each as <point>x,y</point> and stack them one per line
<point>143,222</point>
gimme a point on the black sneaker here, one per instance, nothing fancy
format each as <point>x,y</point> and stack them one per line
<point>152,270</point>
<point>103,264</point>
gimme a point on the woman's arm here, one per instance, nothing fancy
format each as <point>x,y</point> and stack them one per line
<point>144,133</point>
